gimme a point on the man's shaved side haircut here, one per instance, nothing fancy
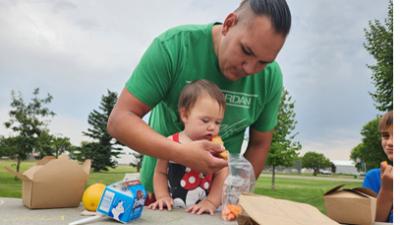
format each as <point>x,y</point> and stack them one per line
<point>277,10</point>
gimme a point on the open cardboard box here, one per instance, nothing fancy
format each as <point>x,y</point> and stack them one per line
<point>53,183</point>
<point>263,210</point>
<point>351,206</point>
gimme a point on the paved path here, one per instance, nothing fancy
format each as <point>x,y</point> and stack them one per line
<point>12,212</point>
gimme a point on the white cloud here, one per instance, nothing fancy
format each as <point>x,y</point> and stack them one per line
<point>335,146</point>
<point>66,126</point>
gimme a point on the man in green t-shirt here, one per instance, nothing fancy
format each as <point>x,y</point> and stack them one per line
<point>239,56</point>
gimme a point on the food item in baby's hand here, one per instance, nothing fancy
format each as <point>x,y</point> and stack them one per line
<point>224,154</point>
<point>217,140</point>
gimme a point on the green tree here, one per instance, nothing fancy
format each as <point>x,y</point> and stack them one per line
<point>315,161</point>
<point>380,45</point>
<point>104,147</point>
<point>7,146</point>
<point>49,144</point>
<point>369,153</point>
<point>27,121</point>
<point>284,149</point>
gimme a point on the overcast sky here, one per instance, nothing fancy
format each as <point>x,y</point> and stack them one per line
<point>76,50</point>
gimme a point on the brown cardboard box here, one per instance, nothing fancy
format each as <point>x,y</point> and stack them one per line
<point>263,210</point>
<point>53,183</point>
<point>351,206</point>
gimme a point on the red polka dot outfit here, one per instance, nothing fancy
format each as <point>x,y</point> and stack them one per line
<point>186,186</point>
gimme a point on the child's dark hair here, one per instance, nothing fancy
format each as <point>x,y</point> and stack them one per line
<point>193,90</point>
<point>386,121</point>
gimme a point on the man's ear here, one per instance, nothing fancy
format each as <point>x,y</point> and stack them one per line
<point>183,114</point>
<point>230,21</point>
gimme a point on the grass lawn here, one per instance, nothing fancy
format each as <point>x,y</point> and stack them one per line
<point>301,188</point>
<point>11,187</point>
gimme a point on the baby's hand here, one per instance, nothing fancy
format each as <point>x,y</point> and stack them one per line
<point>204,206</point>
<point>162,202</point>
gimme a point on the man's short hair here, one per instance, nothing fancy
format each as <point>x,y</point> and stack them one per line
<point>192,91</point>
<point>277,10</point>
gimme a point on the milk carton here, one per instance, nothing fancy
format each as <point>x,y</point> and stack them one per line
<point>123,201</point>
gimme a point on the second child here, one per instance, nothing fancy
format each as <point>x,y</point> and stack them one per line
<point>380,180</point>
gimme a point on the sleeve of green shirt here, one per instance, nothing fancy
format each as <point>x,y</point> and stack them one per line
<point>152,77</point>
<point>268,118</point>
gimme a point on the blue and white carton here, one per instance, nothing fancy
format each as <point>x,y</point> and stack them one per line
<point>123,201</point>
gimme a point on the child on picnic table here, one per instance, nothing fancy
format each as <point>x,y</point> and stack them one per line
<point>201,109</point>
<point>380,180</point>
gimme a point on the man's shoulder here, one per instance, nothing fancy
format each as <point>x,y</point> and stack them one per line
<point>183,30</point>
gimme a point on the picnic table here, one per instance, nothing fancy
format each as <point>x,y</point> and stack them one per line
<point>13,212</point>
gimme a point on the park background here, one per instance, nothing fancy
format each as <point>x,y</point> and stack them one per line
<point>79,54</point>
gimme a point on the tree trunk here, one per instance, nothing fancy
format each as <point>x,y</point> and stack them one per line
<point>273,177</point>
<point>18,163</point>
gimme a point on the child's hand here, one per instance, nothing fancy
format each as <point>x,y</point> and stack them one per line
<point>161,203</point>
<point>204,206</point>
<point>387,176</point>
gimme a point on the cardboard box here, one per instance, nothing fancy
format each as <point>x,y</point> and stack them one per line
<point>351,206</point>
<point>123,201</point>
<point>263,210</point>
<point>53,183</point>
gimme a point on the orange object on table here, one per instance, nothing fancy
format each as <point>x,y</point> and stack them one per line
<point>231,212</point>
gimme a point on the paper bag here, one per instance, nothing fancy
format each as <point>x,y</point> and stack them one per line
<point>263,210</point>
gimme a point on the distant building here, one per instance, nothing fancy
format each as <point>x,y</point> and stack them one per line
<point>345,166</point>
<point>126,157</point>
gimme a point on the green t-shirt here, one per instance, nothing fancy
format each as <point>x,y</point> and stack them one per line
<point>184,54</point>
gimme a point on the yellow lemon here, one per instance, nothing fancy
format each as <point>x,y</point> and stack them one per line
<point>92,195</point>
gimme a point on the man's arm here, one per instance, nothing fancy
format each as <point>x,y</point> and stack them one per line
<point>125,124</point>
<point>257,149</point>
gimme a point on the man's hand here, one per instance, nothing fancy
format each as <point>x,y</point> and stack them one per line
<point>199,155</point>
